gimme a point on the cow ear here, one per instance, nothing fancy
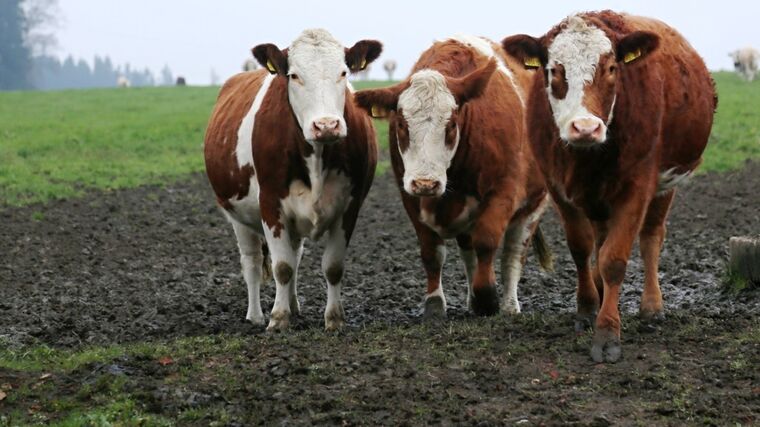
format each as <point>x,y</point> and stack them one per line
<point>472,85</point>
<point>526,49</point>
<point>272,58</point>
<point>362,54</point>
<point>636,46</point>
<point>378,103</point>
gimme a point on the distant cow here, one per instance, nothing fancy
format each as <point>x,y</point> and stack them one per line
<point>249,65</point>
<point>122,81</point>
<point>619,115</point>
<point>745,62</point>
<point>390,67</point>
<point>460,157</point>
<point>290,156</point>
<point>181,81</point>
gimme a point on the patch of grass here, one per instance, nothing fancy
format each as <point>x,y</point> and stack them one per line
<point>736,132</point>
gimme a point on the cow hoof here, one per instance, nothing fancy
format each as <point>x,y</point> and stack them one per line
<point>605,347</point>
<point>584,322</point>
<point>435,309</point>
<point>334,318</point>
<point>485,301</point>
<point>256,320</point>
<point>279,322</point>
<point>653,316</point>
<point>510,307</point>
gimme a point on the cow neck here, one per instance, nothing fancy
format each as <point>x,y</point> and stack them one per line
<point>314,161</point>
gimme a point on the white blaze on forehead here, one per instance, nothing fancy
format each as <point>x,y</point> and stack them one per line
<point>427,105</point>
<point>318,59</point>
<point>578,48</point>
<point>485,48</point>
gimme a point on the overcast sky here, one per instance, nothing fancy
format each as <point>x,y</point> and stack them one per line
<point>194,36</point>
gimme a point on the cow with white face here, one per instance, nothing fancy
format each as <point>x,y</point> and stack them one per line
<point>290,156</point>
<point>746,62</point>
<point>457,148</point>
<point>619,116</point>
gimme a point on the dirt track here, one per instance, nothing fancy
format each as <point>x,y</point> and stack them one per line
<point>152,264</point>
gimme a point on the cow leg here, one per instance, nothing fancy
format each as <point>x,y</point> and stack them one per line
<point>620,233</point>
<point>464,242</point>
<point>651,237</point>
<point>486,237</point>
<point>284,253</point>
<point>513,250</point>
<point>433,253</point>
<point>295,306</point>
<point>251,260</point>
<point>332,268</point>
<point>580,241</point>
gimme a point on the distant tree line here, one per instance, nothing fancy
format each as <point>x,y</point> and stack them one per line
<point>26,39</point>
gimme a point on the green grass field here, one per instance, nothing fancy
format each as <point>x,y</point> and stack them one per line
<point>60,144</point>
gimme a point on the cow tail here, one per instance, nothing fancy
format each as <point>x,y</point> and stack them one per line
<point>542,250</point>
<point>266,263</point>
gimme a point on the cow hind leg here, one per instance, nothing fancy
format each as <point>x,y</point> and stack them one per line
<point>251,261</point>
<point>651,238</point>
<point>295,306</point>
<point>469,260</point>
<point>332,268</point>
<point>515,240</point>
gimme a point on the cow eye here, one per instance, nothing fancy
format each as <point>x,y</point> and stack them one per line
<point>294,77</point>
<point>612,69</point>
<point>343,74</point>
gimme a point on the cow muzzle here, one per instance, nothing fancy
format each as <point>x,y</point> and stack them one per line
<point>327,130</point>
<point>425,188</point>
<point>587,131</point>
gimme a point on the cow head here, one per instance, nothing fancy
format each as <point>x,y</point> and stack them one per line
<point>582,64</point>
<point>316,66</point>
<point>427,122</point>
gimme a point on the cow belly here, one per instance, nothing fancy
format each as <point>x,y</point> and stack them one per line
<point>246,210</point>
<point>313,210</point>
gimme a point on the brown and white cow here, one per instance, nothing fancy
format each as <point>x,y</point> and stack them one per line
<point>290,156</point>
<point>619,117</point>
<point>462,164</point>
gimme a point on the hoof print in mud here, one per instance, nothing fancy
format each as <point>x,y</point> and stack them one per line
<point>435,309</point>
<point>485,301</point>
<point>605,347</point>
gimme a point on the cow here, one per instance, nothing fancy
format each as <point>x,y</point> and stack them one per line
<point>460,159</point>
<point>289,157</point>
<point>123,81</point>
<point>745,62</point>
<point>618,117</point>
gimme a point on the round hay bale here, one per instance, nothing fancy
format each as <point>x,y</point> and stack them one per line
<point>744,261</point>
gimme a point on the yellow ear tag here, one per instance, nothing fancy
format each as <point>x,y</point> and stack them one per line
<point>363,64</point>
<point>532,62</point>
<point>378,112</point>
<point>271,66</point>
<point>630,56</point>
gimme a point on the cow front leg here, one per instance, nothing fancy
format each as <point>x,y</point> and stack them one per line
<point>469,260</point>
<point>332,268</point>
<point>284,253</point>
<point>620,233</point>
<point>651,238</point>
<point>580,241</point>
<point>433,253</point>
<point>251,261</point>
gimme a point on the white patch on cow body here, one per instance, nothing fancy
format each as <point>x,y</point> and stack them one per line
<point>319,61</point>
<point>244,148</point>
<point>427,105</point>
<point>485,48</point>
<point>459,225</point>
<point>669,179</point>
<point>578,48</point>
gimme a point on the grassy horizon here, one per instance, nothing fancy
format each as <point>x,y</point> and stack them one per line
<point>60,144</point>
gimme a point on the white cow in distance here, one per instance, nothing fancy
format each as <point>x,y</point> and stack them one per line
<point>122,81</point>
<point>745,62</point>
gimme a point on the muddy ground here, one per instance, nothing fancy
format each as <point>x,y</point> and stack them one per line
<point>154,264</point>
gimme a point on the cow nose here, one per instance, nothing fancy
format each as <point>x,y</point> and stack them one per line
<point>326,129</point>
<point>425,187</point>
<point>586,129</point>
